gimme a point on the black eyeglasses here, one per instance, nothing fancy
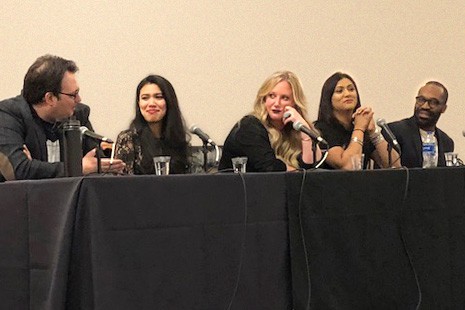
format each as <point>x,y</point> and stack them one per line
<point>432,102</point>
<point>74,95</point>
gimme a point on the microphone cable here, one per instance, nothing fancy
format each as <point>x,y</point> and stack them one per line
<point>243,242</point>
<point>404,243</point>
<point>217,155</point>
<point>322,160</point>
<point>398,157</point>
<point>302,236</point>
<point>460,162</point>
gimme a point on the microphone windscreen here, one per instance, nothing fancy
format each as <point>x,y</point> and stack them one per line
<point>381,122</point>
<point>297,125</point>
<point>193,128</point>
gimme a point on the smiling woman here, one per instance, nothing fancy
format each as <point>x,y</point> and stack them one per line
<point>157,129</point>
<point>348,127</point>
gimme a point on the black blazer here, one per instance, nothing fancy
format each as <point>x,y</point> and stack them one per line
<point>408,136</point>
<point>18,126</point>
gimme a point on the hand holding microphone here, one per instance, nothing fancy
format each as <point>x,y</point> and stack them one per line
<point>291,115</point>
<point>299,126</point>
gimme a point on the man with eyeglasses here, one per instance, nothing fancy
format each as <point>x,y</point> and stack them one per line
<point>430,103</point>
<point>31,124</point>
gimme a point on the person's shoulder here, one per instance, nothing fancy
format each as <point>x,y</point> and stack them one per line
<point>445,136</point>
<point>404,121</point>
<point>401,124</point>
<point>17,103</point>
<point>327,128</point>
<point>127,134</point>
<point>249,119</point>
<point>82,107</point>
<point>249,122</point>
<point>82,110</point>
<point>320,124</point>
<point>15,107</point>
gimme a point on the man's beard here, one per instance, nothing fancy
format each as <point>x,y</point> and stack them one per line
<point>429,122</point>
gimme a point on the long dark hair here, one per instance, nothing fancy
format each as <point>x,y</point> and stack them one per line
<point>173,129</point>
<point>326,110</point>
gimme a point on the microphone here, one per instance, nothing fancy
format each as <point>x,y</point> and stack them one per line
<point>85,131</point>
<point>381,122</point>
<point>312,134</point>
<point>202,135</point>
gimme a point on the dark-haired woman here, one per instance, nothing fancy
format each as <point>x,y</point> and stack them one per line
<point>348,127</point>
<point>157,129</point>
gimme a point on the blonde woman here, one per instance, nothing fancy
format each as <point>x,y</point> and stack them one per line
<point>266,136</point>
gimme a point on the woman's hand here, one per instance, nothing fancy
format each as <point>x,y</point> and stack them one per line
<point>371,127</point>
<point>294,116</point>
<point>363,119</point>
<point>307,151</point>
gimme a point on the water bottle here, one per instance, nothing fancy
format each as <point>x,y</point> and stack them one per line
<point>72,147</point>
<point>430,156</point>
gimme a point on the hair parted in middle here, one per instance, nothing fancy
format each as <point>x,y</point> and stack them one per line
<point>326,109</point>
<point>287,142</point>
<point>173,129</point>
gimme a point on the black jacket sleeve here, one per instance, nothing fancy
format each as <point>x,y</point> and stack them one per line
<point>250,138</point>
<point>18,128</point>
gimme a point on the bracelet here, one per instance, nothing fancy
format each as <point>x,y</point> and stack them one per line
<point>359,129</point>
<point>375,134</point>
<point>357,140</point>
<point>377,139</point>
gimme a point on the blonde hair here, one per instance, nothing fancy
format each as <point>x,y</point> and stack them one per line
<point>287,143</point>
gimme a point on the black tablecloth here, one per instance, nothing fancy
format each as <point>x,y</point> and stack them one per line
<point>171,242</point>
<point>36,224</point>
<point>378,239</point>
<point>373,240</point>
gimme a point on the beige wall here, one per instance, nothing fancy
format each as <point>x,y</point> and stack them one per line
<point>217,53</point>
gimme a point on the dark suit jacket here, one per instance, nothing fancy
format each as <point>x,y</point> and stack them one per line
<point>18,126</point>
<point>408,136</point>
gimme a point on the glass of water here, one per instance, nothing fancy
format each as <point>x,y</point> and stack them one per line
<point>239,164</point>
<point>162,165</point>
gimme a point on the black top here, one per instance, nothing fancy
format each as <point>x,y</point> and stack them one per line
<point>137,151</point>
<point>409,138</point>
<point>337,135</point>
<point>250,138</point>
